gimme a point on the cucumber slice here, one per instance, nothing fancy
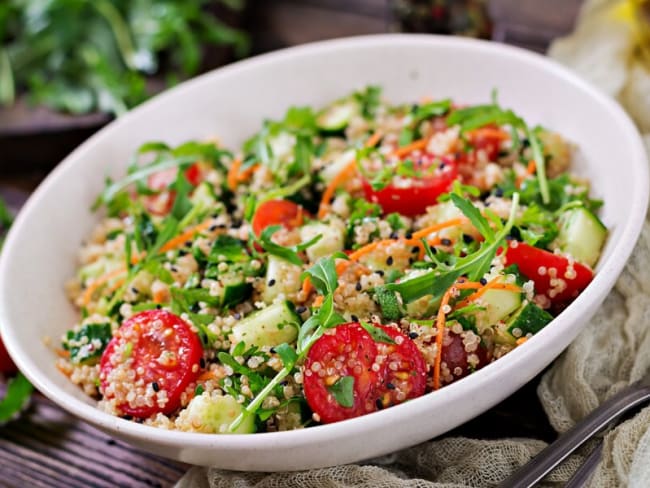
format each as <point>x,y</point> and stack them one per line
<point>213,415</point>
<point>282,278</point>
<point>336,166</point>
<point>337,116</point>
<point>332,240</point>
<point>498,305</point>
<point>235,289</point>
<point>582,235</point>
<point>445,211</point>
<point>529,319</point>
<point>271,326</point>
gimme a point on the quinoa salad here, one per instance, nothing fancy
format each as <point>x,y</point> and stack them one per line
<point>343,260</point>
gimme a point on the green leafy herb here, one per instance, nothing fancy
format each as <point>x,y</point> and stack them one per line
<point>16,398</point>
<point>474,216</point>
<point>474,266</point>
<point>103,63</point>
<point>370,100</point>
<point>87,344</point>
<point>343,391</point>
<point>378,335</point>
<point>289,254</point>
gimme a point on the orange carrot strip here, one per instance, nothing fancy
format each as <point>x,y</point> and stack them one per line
<point>206,376</point>
<point>521,340</point>
<point>440,326</point>
<point>62,353</point>
<point>436,227</point>
<point>95,285</point>
<point>532,167</point>
<point>409,148</point>
<point>181,239</point>
<point>492,284</point>
<point>233,174</point>
<point>318,301</point>
<point>307,286</point>
<point>340,178</point>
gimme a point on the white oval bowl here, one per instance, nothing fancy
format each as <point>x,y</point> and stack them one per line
<point>230,103</point>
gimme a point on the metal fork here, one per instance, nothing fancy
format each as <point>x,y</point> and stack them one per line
<point>599,420</point>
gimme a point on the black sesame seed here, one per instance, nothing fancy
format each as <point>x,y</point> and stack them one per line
<point>195,308</point>
<point>135,290</point>
<point>411,260</point>
<point>389,260</point>
<point>358,286</point>
<point>202,363</point>
<point>442,166</point>
<point>483,281</point>
<point>188,243</point>
<point>380,272</point>
<point>236,315</point>
<point>155,386</point>
<point>445,242</point>
<point>127,417</point>
<point>390,386</point>
<point>173,269</point>
<point>354,318</point>
<point>212,228</point>
<point>158,306</point>
<point>301,309</point>
<point>415,249</point>
<point>379,404</point>
<point>498,192</point>
<point>284,383</point>
<point>394,235</point>
<point>182,253</point>
<point>272,350</point>
<point>409,235</point>
<point>413,335</point>
<point>271,282</point>
<point>467,239</point>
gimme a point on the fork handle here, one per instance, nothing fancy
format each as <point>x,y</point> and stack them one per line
<point>538,467</point>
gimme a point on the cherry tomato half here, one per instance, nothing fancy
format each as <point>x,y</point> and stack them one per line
<point>420,194</point>
<point>383,374</point>
<point>553,275</point>
<point>7,366</point>
<point>163,202</point>
<point>155,355</point>
<point>277,212</point>
<point>455,357</point>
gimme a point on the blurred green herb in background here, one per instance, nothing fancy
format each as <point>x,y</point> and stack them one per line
<point>81,56</point>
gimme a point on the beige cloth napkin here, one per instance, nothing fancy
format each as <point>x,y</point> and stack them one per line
<point>613,351</point>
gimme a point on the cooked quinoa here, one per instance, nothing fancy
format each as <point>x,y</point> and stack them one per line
<point>343,260</point>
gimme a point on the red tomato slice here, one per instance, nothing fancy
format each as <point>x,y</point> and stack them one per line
<point>7,366</point>
<point>277,212</point>
<point>155,369</point>
<point>384,374</point>
<point>413,200</point>
<point>553,275</point>
<point>162,203</point>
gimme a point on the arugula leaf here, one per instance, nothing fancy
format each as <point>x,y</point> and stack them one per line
<point>474,216</point>
<point>343,391</point>
<point>87,344</point>
<point>289,254</point>
<point>323,275</point>
<point>287,354</point>
<point>19,389</point>
<point>474,265</point>
<point>231,248</point>
<point>378,335</point>
<point>182,204</point>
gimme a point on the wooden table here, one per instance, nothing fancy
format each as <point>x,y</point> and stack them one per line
<point>48,447</point>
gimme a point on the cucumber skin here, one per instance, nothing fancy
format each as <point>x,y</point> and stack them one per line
<point>582,235</point>
<point>530,319</point>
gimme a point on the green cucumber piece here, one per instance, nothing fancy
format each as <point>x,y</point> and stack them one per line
<point>282,278</point>
<point>337,116</point>
<point>582,235</point>
<point>332,240</point>
<point>529,319</point>
<point>235,289</point>
<point>337,164</point>
<point>214,414</point>
<point>271,326</point>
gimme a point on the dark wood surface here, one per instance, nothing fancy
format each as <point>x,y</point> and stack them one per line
<point>47,447</point>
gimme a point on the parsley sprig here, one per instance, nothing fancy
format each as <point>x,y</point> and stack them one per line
<point>325,280</point>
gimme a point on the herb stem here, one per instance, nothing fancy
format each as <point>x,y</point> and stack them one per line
<point>256,402</point>
<point>540,165</point>
<point>120,31</point>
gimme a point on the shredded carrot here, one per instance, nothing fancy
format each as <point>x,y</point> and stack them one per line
<point>532,167</point>
<point>318,301</point>
<point>95,285</point>
<point>307,287</point>
<point>63,370</point>
<point>181,239</point>
<point>521,340</point>
<point>440,326</point>
<point>206,376</point>
<point>492,284</point>
<point>233,174</point>
<point>345,174</point>
<point>337,181</point>
<point>160,296</point>
<point>409,148</point>
<point>436,227</point>
<point>62,353</point>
